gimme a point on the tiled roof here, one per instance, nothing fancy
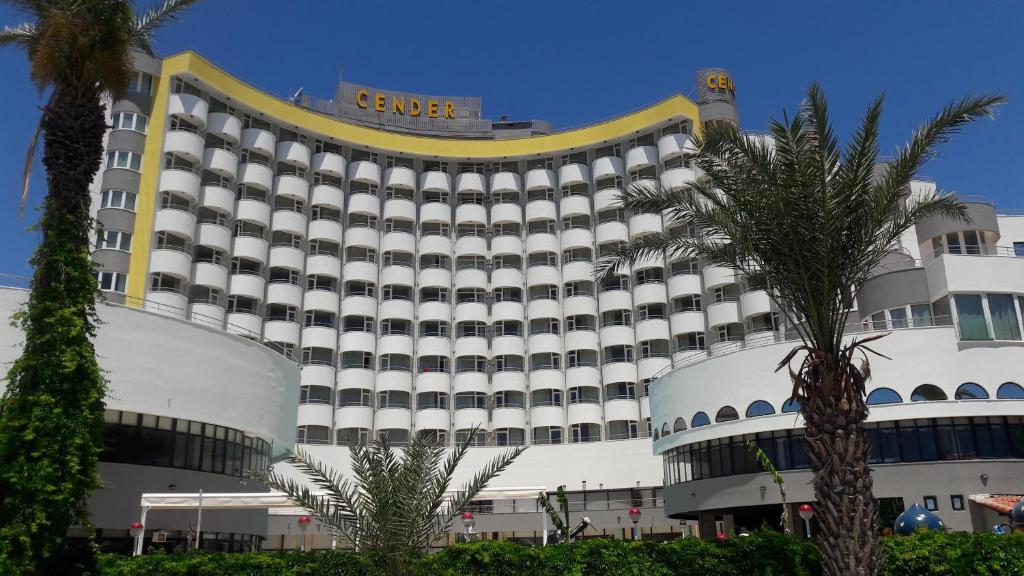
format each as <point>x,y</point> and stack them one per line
<point>1001,503</point>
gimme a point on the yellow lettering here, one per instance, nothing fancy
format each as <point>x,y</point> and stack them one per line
<point>432,108</point>
<point>414,106</point>
<point>361,98</point>
<point>449,109</point>
<point>732,87</point>
<point>379,101</point>
<point>398,105</point>
<point>711,82</point>
<point>722,82</point>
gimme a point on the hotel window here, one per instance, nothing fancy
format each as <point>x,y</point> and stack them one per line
<point>611,215</point>
<point>689,341</point>
<point>398,162</point>
<point>319,146</point>
<point>1003,312</point>
<point>113,240</point>
<point>393,193</point>
<point>650,312</point>
<point>125,159</point>
<point>543,259</point>
<point>540,194</point>
<point>543,326</point>
<point>141,83</point>
<point>579,288</point>
<point>1018,248</point>
<point>249,121</point>
<point>130,121</point>
<point>540,164</point>
<point>364,156</point>
<point>609,150</point>
<point>115,198</point>
<point>543,292</point>
<point>111,281</point>
<point>575,158</point>
<point>435,229</point>
<point>362,188</point>
<point>508,294</point>
<point>435,166</point>
<point>608,182</point>
<point>542,226</point>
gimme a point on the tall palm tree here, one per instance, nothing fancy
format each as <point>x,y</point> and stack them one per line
<point>812,220</point>
<point>395,506</point>
<point>51,415</point>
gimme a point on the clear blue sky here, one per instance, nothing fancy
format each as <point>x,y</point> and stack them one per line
<point>573,63</point>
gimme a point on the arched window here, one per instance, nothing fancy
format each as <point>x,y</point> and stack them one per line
<point>970,391</point>
<point>726,414</point>
<point>656,435</point>
<point>679,425</point>
<point>664,430</point>
<point>700,419</point>
<point>883,396</point>
<point>1010,391</point>
<point>791,405</point>
<point>759,408</point>
<point>927,393</point>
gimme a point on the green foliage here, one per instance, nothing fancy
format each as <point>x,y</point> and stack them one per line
<point>929,553</point>
<point>395,505</point>
<point>766,464</point>
<point>560,522</point>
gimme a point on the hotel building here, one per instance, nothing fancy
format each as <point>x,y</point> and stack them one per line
<point>430,270</point>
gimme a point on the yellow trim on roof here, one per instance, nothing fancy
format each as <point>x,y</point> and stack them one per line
<point>284,112</point>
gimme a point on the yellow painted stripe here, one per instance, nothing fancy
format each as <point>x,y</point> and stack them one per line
<point>283,112</point>
<point>145,203</point>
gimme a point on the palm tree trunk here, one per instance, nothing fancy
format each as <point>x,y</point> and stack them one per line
<point>51,419</point>
<point>847,512</point>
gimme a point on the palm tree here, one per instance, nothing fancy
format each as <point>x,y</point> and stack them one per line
<point>812,220</point>
<point>51,415</point>
<point>395,505</point>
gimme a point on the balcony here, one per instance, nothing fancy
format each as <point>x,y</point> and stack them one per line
<point>188,106</point>
<point>224,125</point>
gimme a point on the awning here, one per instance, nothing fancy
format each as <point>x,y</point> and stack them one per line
<point>1001,503</point>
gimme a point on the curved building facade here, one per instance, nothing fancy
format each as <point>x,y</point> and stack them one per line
<point>431,270</point>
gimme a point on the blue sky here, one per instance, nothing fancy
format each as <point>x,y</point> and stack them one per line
<point>573,63</point>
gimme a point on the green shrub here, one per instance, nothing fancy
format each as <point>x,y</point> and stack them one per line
<point>764,553</point>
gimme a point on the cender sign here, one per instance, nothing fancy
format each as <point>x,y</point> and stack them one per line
<point>396,104</point>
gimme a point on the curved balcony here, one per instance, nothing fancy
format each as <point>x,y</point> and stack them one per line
<point>574,305</point>
<point>179,222</point>
<point>506,245</point>
<point>606,198</point>
<point>315,299</point>
<point>543,309</point>
<point>435,181</point>
<point>539,178</point>
<point>324,230</point>
<point>210,275</point>
<point>722,313</point>
<point>173,262</point>
<point>575,206</point>
<point>392,419</point>
<point>470,279</point>
<point>547,379</point>
<point>244,324</point>
<point>641,157</point>
<point>501,213</point>
<point>653,329</point>
<point>167,303</point>
<point>649,294</point>
<point>259,140</point>
<point>507,311</point>
<point>508,418</point>
<point>365,341</point>
<point>436,212</point>
<point>612,232</point>
<point>581,340</point>
<point>614,300</point>
<point>621,409</point>
<point>754,303</point>
<point>607,167</point>
<point>507,277</point>
<point>326,195</point>
<point>289,221</point>
<point>433,419</point>
<point>508,381</point>
<point>189,107</point>
<point>619,372</point>
<point>675,145</point>
<point>677,178</point>
<point>545,343</point>
<point>288,294</point>
<point>250,247</point>
<point>571,174</point>
<point>214,236</point>
<point>364,171</point>
<point>644,224</point>
<point>401,241</point>
<point>400,177</point>
<point>547,416</point>
<point>433,346</point>
<point>247,285</point>
<point>537,275</point>
<point>575,271</point>
<point>224,125</point>
<point>617,336</point>
<point>281,331</point>
<point>363,237</point>
<point>220,199</point>
<point>292,187</point>
<point>388,309</point>
<point>433,382</point>
<point>470,213</point>
<point>470,182</point>
<point>649,367</point>
<point>256,175</point>
<point>502,182</point>
<point>687,322</point>
<point>354,416</point>
<point>294,153</point>
<point>470,417</point>
<point>208,314</point>
<point>320,337</point>
<point>584,413</point>
<point>364,271</point>
<point>471,245</point>
<point>329,163</point>
<point>684,284</point>
<point>394,380</point>
<point>434,311</point>
<point>542,243</point>
<point>220,161</point>
<point>471,346</point>
<point>353,378</point>
<point>364,204</point>
<point>180,182</point>
<point>323,264</point>
<point>287,257</point>
<point>718,276</point>
<point>473,312</point>
<point>470,382</point>
<point>402,275</point>
<point>577,238</point>
<point>438,277</point>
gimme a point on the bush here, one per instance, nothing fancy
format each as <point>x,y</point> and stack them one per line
<point>764,553</point>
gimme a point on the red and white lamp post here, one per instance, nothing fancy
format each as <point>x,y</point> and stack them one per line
<point>304,522</point>
<point>634,515</point>
<point>806,512</point>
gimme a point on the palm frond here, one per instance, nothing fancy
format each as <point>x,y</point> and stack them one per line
<point>26,171</point>
<point>461,499</point>
<point>556,520</point>
<point>153,19</point>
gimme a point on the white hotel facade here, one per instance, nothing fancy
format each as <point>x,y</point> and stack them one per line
<point>428,271</point>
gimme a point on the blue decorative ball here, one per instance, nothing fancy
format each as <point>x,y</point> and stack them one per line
<point>917,517</point>
<point>1017,513</point>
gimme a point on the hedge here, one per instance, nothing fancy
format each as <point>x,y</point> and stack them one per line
<point>761,554</point>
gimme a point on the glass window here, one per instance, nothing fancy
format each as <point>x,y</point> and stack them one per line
<point>1010,391</point>
<point>1018,248</point>
<point>791,405</point>
<point>726,414</point>
<point>927,393</point>
<point>898,317</point>
<point>921,315</point>
<point>700,419</point>
<point>883,396</point>
<point>971,317</point>
<point>970,391</point>
<point>1004,316</point>
<point>759,408</point>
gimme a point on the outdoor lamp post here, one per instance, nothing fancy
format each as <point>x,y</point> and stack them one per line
<point>806,512</point>
<point>634,515</point>
<point>304,522</point>
<point>468,521</point>
<point>136,530</point>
